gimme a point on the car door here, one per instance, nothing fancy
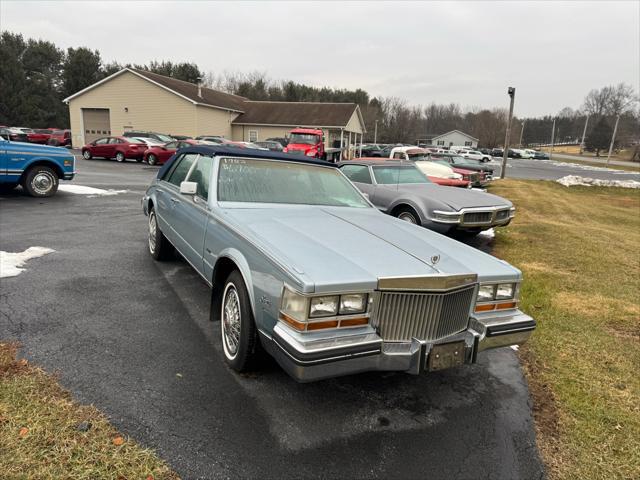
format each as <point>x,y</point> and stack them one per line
<point>99,147</point>
<point>110,148</point>
<point>191,212</point>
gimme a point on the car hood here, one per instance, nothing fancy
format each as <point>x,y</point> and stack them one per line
<point>454,197</point>
<point>331,248</point>
<point>37,149</point>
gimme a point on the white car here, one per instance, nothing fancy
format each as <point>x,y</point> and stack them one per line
<point>530,153</point>
<point>475,155</point>
<point>420,157</point>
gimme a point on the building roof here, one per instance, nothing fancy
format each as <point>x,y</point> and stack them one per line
<point>297,114</point>
<point>186,90</point>
<point>455,131</point>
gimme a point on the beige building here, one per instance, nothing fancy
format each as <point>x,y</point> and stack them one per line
<point>134,99</point>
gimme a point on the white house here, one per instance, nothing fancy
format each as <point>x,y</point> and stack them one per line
<point>454,137</point>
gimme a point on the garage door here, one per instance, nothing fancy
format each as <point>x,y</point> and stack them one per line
<point>96,123</point>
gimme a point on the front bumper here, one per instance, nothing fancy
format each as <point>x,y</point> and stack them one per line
<point>364,350</point>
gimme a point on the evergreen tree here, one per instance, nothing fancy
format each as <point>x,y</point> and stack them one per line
<point>600,136</point>
<point>81,68</point>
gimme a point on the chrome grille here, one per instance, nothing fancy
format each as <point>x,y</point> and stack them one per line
<point>401,316</point>
<point>477,217</point>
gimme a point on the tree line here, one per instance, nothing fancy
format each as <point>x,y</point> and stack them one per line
<point>36,76</point>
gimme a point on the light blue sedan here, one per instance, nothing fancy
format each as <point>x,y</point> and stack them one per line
<point>303,266</point>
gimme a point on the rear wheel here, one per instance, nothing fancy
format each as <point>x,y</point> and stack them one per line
<point>40,181</point>
<point>408,214</point>
<point>120,157</point>
<point>159,247</point>
<point>86,154</point>
<point>152,159</point>
<point>240,341</point>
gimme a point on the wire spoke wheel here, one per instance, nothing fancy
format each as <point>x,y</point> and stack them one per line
<point>231,320</point>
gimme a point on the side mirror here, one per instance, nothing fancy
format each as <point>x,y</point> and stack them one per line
<point>188,188</point>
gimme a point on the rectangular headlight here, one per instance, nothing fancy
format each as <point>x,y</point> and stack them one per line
<point>486,293</point>
<point>505,291</point>
<point>326,306</point>
<point>353,303</point>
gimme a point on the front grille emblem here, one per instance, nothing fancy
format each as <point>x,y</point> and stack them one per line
<point>435,259</point>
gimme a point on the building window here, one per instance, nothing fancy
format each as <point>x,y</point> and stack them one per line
<point>441,142</point>
<point>253,135</point>
<point>468,144</point>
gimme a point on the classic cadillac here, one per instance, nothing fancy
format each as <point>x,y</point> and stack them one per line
<point>303,266</point>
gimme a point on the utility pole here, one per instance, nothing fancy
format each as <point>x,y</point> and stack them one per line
<point>521,132</point>
<point>553,131</point>
<point>584,134</point>
<point>375,134</point>
<point>613,138</point>
<point>512,93</point>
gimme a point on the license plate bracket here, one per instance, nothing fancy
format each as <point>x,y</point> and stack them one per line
<point>447,355</point>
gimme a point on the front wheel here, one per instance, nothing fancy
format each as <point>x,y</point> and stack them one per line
<point>40,181</point>
<point>86,155</point>
<point>408,215</point>
<point>240,341</point>
<point>152,159</point>
<point>120,157</point>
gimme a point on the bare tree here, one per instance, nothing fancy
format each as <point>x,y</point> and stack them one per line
<point>597,101</point>
<point>622,99</point>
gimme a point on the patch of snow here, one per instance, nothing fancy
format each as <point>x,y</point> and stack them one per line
<point>573,180</point>
<point>488,233</point>
<point>515,347</point>
<point>591,168</point>
<point>11,263</point>
<point>91,191</point>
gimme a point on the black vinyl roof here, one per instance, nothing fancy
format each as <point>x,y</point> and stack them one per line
<point>222,150</point>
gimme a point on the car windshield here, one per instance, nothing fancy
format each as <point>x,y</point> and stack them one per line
<point>388,175</point>
<point>417,157</point>
<point>163,138</point>
<point>307,138</point>
<point>264,181</point>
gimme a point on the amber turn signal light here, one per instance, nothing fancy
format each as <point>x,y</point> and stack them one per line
<point>353,322</point>
<point>322,325</point>
<point>485,308</point>
<point>292,322</point>
<point>505,306</point>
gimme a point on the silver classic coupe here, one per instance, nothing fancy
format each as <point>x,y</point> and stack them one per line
<point>303,266</point>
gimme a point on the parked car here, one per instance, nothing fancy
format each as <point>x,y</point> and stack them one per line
<point>281,140</point>
<point>456,161</point>
<point>250,145</point>
<point>16,134</point>
<point>212,138</point>
<point>161,137</point>
<point>475,155</point>
<point>513,153</point>
<point>270,145</point>
<point>158,155</point>
<point>181,137</point>
<point>540,155</point>
<point>282,282</point>
<point>38,168</point>
<point>120,148</point>
<point>403,191</point>
<point>60,138</point>
<point>422,158</point>
<point>39,135</point>
<point>149,142</point>
<point>456,181</point>
<point>373,151</point>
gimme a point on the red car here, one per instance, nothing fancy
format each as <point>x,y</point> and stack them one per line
<point>160,154</point>
<point>40,135</point>
<point>119,148</point>
<point>60,138</point>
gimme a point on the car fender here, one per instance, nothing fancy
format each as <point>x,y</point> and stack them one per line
<point>413,203</point>
<point>239,259</point>
<point>46,161</point>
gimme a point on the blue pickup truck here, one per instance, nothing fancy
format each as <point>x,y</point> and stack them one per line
<point>38,168</point>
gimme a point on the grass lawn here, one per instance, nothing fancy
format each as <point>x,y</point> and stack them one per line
<point>45,435</point>
<point>579,250</point>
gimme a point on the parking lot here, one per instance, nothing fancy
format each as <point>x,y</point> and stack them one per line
<point>132,336</point>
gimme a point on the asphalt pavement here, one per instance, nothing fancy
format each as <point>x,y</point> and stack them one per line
<point>132,336</point>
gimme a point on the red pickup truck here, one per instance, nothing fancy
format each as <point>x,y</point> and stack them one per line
<point>41,136</point>
<point>60,138</point>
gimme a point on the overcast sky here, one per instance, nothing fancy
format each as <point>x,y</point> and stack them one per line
<point>463,52</point>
